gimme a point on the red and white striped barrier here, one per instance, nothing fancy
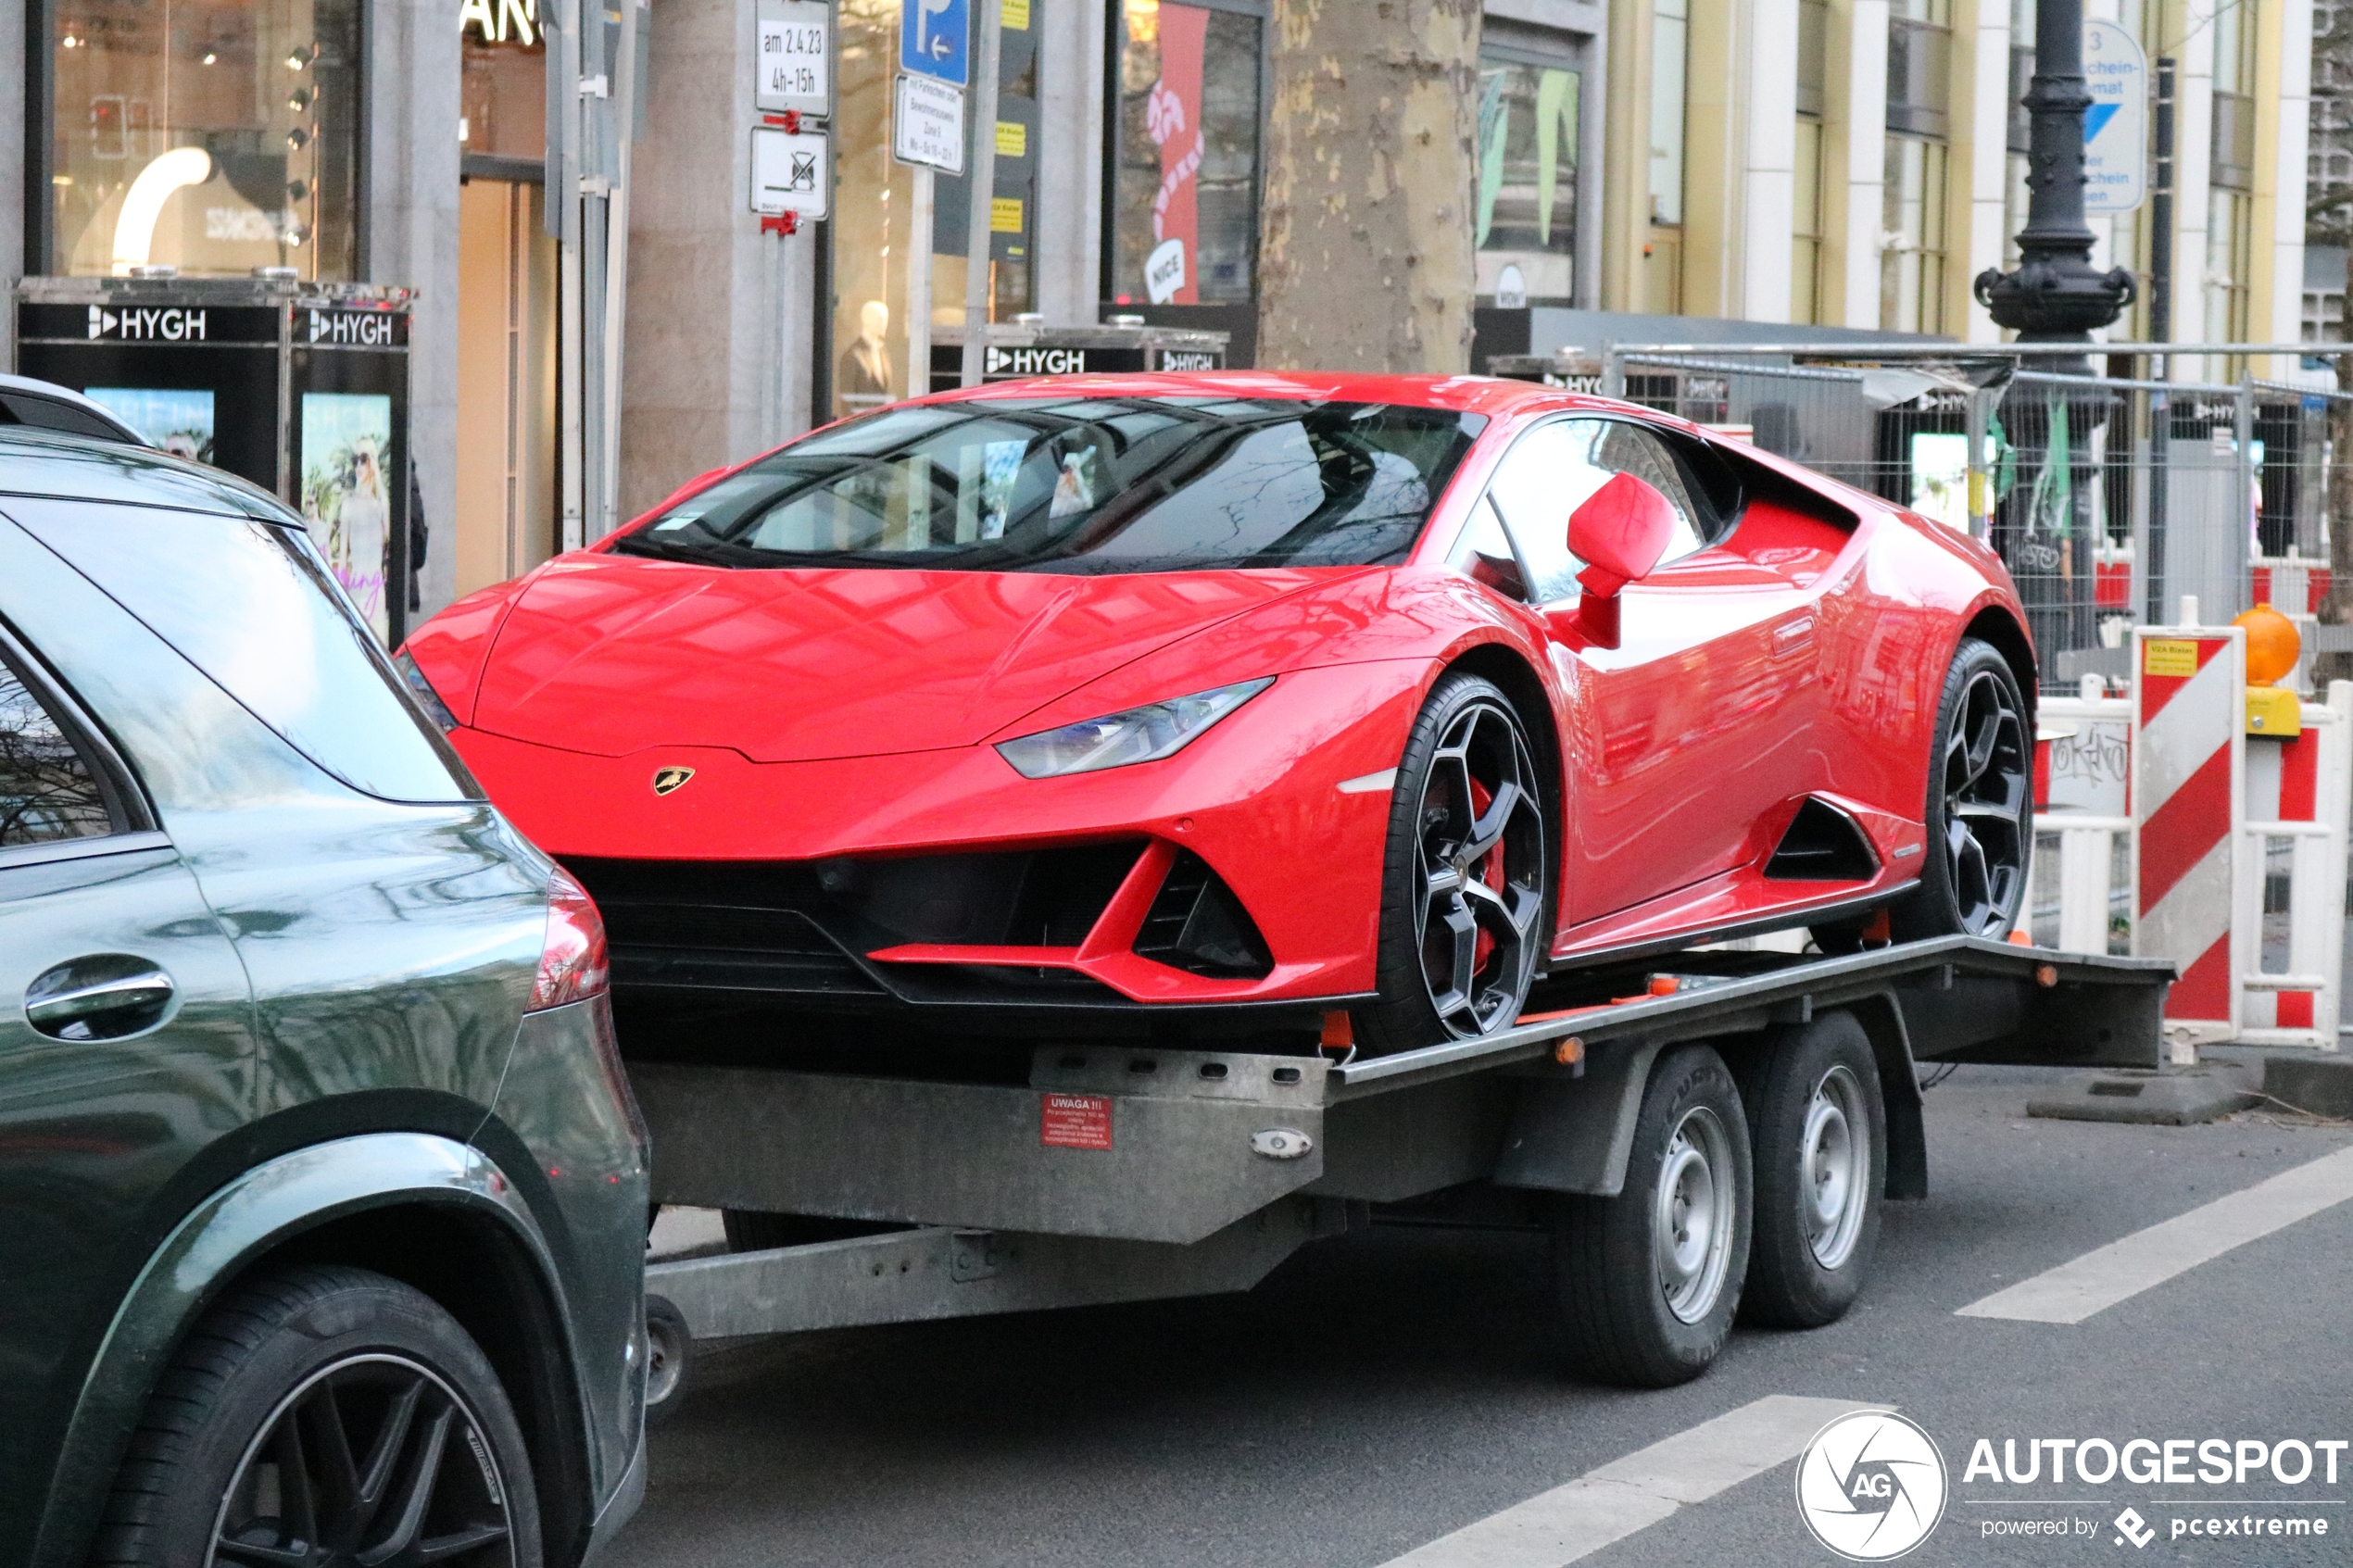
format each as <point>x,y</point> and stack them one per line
<point>2188,812</point>
<point>2298,794</point>
<point>2209,812</point>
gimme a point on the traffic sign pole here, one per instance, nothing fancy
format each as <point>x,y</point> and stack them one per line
<point>980,185</point>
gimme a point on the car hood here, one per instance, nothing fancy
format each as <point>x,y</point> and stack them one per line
<point>609,655</point>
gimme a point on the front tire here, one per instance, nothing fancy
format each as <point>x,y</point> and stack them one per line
<point>1980,797</point>
<point>1818,1129</point>
<point>325,1415</point>
<point>1648,1281</point>
<point>1466,879</point>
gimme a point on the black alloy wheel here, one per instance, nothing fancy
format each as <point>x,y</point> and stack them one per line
<point>1981,797</point>
<point>325,1417</point>
<point>374,1460</point>
<point>1466,883</point>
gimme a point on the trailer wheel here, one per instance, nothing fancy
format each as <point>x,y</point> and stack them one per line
<point>1648,1281</point>
<point>1819,1131</point>
<point>670,1358</point>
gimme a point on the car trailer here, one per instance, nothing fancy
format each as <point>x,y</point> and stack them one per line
<point>1126,1173</point>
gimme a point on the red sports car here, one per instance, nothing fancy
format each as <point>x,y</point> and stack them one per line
<point>1286,706</point>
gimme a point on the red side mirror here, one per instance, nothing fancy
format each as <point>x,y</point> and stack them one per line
<point>1619,534</point>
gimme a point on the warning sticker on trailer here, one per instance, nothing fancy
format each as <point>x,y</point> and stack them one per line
<point>2170,656</point>
<point>1075,1122</point>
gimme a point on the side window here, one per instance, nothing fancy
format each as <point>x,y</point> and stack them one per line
<point>1552,469</point>
<point>48,792</point>
<point>252,606</point>
<point>1485,555</point>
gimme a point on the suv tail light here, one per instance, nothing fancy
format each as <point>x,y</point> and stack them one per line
<point>572,965</point>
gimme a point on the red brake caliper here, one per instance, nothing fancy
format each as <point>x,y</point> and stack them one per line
<point>1488,870</point>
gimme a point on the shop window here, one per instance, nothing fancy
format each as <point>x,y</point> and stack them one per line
<point>1920,67</point>
<point>1805,225</point>
<point>1911,297</point>
<point>2229,248</point>
<point>1524,222</point>
<point>1670,37</point>
<point>1806,218</point>
<point>215,138</point>
<point>1184,129</point>
<point>1012,215</point>
<point>502,108</point>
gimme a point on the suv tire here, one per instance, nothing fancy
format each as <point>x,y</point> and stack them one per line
<point>364,1387</point>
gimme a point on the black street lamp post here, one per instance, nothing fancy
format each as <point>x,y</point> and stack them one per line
<point>2055,295</point>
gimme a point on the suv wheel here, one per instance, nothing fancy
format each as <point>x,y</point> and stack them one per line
<point>326,1416</point>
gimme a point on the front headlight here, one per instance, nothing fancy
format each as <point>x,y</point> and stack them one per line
<point>1141,735</point>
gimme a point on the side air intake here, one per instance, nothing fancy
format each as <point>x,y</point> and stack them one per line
<point>1822,844</point>
<point>1197,924</point>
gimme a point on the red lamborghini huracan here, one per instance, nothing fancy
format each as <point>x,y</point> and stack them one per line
<point>1204,706</point>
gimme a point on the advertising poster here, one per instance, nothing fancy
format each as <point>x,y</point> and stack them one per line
<point>1172,117</point>
<point>1940,478</point>
<point>177,420</point>
<point>347,499</point>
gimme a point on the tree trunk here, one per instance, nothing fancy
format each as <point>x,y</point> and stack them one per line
<point>1365,254</point>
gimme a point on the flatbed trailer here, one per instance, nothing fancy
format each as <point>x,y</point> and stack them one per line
<point>1123,1172</point>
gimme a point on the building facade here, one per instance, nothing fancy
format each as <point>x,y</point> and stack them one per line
<point>1749,167</point>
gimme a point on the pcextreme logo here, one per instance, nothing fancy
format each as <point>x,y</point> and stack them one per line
<point>1871,1486</point>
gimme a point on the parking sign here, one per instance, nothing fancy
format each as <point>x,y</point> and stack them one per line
<point>2115,126</point>
<point>935,39</point>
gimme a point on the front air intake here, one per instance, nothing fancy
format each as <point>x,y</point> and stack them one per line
<point>1197,925</point>
<point>1822,844</point>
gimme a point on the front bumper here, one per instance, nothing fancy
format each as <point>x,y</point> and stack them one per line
<point>1257,801</point>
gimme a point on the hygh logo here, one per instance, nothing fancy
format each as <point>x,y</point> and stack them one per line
<point>1871,1486</point>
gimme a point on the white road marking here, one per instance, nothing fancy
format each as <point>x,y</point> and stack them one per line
<point>1633,1493</point>
<point>2123,1269</point>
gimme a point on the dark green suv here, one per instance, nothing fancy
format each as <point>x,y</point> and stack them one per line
<point>323,1196</point>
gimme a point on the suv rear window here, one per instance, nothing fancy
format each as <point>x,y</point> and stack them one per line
<point>1082,485</point>
<point>252,606</point>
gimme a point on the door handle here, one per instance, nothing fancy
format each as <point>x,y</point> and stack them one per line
<point>101,997</point>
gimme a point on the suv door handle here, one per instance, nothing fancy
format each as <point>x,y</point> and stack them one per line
<point>103,996</point>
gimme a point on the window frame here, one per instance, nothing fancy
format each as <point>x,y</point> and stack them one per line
<point>133,823</point>
<point>1675,442</point>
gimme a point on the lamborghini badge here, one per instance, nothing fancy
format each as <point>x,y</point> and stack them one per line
<point>668,779</point>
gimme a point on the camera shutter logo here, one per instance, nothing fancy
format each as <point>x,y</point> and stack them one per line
<point>1871,1486</point>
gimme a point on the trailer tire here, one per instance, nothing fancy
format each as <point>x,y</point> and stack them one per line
<point>670,1360</point>
<point>1647,1282</point>
<point>1818,1129</point>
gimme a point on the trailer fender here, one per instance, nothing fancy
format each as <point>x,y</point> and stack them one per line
<point>1881,1017</point>
<point>1573,1134</point>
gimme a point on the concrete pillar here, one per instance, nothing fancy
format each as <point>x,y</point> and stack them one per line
<point>1068,235</point>
<point>1981,156</point>
<point>2284,79</point>
<point>410,238</point>
<point>1855,162</point>
<point>2193,168</point>
<point>721,318</point>
<point>1625,154</point>
<point>1716,89</point>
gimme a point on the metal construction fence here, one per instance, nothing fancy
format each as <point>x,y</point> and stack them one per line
<point>2112,497</point>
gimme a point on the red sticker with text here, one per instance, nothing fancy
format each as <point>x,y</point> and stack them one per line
<point>1075,1122</point>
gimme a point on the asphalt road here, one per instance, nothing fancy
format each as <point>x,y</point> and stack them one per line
<point>1388,1387</point>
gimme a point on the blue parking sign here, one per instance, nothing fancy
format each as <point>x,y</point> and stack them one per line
<point>934,39</point>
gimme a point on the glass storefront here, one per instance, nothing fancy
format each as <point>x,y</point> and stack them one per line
<point>1184,129</point>
<point>214,137</point>
<point>1525,223</point>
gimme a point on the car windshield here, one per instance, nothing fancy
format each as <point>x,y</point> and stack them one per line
<point>1082,485</point>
